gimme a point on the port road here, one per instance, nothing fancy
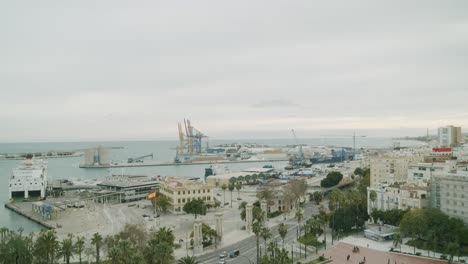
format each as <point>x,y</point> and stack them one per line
<point>248,246</point>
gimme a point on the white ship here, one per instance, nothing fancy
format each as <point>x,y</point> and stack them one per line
<point>29,179</point>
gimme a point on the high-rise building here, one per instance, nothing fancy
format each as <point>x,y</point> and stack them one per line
<point>450,136</point>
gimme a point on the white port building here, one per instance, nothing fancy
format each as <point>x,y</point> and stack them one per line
<point>29,179</point>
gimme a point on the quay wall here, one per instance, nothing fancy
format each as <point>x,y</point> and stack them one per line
<point>28,215</point>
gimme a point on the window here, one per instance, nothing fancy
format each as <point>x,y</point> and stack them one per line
<point>183,192</point>
<point>209,198</point>
<point>178,200</point>
<point>203,190</point>
<point>183,200</point>
<point>198,191</point>
<point>178,192</point>
<point>188,199</point>
<point>188,192</point>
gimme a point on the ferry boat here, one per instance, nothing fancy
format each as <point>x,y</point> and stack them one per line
<point>29,179</point>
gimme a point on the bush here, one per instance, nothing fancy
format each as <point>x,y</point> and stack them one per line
<point>444,257</point>
<point>322,258</point>
<point>274,214</point>
<point>418,253</point>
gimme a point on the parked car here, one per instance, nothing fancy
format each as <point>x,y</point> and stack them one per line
<point>223,255</point>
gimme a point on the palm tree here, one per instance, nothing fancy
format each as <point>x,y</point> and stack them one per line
<point>97,242</point>
<point>165,234</point>
<point>283,230</point>
<point>67,248</point>
<point>231,188</point>
<point>373,197</point>
<point>188,260</point>
<point>299,215</point>
<point>265,233</point>
<point>398,240</point>
<point>247,178</point>
<point>79,246</point>
<point>46,246</point>
<point>238,187</point>
<point>318,197</point>
<point>224,187</point>
<point>240,179</point>
<point>113,254</point>
<point>257,229</point>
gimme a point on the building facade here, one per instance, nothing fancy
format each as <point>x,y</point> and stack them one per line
<point>450,136</point>
<point>390,169</point>
<point>396,196</point>
<point>450,193</point>
<point>29,179</point>
<point>181,190</point>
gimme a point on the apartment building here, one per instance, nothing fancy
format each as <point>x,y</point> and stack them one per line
<point>450,193</point>
<point>390,169</point>
<point>180,190</point>
<point>398,196</point>
<point>450,136</point>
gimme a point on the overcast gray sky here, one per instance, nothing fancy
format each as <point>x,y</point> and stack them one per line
<point>94,70</point>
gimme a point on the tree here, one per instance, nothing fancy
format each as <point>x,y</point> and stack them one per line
<point>67,248</point>
<point>373,197</point>
<point>299,215</point>
<point>208,235</point>
<point>359,171</point>
<point>162,203</point>
<point>282,230</point>
<point>332,179</point>
<point>79,246</point>
<point>398,240</point>
<point>232,180</point>
<point>195,207</point>
<point>257,213</point>
<point>318,197</point>
<point>297,189</point>
<point>238,188</point>
<point>265,193</point>
<point>257,229</point>
<point>231,188</point>
<point>188,260</point>
<point>224,187</point>
<point>335,199</point>
<point>97,242</point>
<point>136,234</point>
<point>265,233</point>
<point>46,247</point>
<point>160,248</point>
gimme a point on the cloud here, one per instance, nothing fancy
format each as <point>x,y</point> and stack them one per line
<point>118,69</point>
<point>275,104</point>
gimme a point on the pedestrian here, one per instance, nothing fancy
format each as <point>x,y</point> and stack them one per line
<point>367,245</point>
<point>347,258</point>
<point>388,261</point>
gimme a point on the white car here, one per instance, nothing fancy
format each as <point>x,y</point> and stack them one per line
<point>223,255</point>
<point>222,261</point>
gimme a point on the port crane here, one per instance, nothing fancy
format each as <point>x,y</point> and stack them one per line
<point>302,160</point>
<point>139,159</point>
<point>354,136</point>
<point>190,142</point>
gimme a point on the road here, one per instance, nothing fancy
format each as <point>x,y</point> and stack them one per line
<point>248,248</point>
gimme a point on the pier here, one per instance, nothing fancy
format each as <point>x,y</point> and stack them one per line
<point>29,215</point>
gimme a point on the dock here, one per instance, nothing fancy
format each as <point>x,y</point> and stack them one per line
<point>148,164</point>
<point>28,215</point>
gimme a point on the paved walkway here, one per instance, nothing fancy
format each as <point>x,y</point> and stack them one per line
<point>339,253</point>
